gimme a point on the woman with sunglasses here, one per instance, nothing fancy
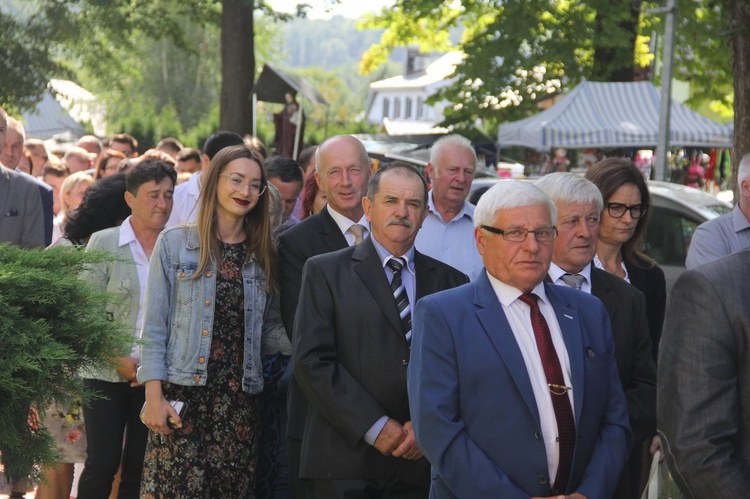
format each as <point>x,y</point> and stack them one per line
<point>621,232</point>
<point>212,310</point>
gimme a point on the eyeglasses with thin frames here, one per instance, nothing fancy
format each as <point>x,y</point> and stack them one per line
<point>617,210</point>
<point>543,235</point>
<point>239,184</point>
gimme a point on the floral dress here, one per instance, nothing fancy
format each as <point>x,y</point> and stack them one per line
<point>65,423</point>
<point>214,454</point>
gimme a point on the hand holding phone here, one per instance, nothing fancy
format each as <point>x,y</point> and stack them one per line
<point>180,407</point>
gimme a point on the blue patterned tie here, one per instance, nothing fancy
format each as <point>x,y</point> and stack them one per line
<point>399,294</point>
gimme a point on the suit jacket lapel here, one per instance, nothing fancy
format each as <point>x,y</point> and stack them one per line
<point>329,231</point>
<point>601,289</point>
<point>427,279</point>
<point>368,266</point>
<point>492,317</point>
<point>570,326</point>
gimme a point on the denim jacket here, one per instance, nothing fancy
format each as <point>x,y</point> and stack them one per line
<point>179,316</point>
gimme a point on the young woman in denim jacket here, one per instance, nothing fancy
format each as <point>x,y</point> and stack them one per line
<point>212,309</point>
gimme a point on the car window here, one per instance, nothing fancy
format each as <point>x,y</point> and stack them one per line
<point>668,236</point>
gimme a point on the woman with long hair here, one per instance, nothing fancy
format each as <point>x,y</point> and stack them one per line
<point>622,230</point>
<point>212,310</point>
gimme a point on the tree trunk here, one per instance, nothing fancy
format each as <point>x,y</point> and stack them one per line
<point>739,14</point>
<point>237,66</point>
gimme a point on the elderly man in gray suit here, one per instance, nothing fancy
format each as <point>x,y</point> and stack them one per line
<point>21,216</point>
<point>703,414</point>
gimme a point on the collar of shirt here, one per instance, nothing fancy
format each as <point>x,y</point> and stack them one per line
<point>555,274</point>
<point>193,185</point>
<point>507,294</point>
<point>466,211</point>
<point>739,220</point>
<point>385,255</point>
<point>344,223</point>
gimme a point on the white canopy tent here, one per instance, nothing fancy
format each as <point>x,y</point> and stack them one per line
<point>607,115</point>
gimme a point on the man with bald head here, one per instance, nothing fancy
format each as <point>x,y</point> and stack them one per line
<point>342,171</point>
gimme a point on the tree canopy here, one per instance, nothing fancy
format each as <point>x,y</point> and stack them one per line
<point>519,51</point>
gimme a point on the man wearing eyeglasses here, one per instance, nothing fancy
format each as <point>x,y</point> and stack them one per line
<point>579,205</point>
<point>513,386</point>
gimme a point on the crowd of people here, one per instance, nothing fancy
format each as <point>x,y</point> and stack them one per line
<point>312,328</point>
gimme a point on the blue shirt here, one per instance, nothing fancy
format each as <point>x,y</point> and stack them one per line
<point>451,242</point>
<point>718,238</point>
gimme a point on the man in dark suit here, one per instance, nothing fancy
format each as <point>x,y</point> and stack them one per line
<point>513,384</point>
<point>21,215</point>
<point>351,348</point>
<point>579,205</point>
<point>704,379</point>
<point>342,171</point>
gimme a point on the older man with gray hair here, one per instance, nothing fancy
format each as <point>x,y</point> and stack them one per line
<point>513,385</point>
<point>449,227</point>
<point>579,205</point>
<point>728,233</point>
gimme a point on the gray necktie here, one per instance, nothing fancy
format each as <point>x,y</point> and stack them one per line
<point>573,280</point>
<point>357,231</point>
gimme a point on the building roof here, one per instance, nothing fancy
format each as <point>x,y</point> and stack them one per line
<point>442,68</point>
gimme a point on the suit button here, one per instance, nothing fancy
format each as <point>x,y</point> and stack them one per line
<point>201,360</point>
<point>405,362</point>
<point>205,332</point>
<point>197,379</point>
<point>542,480</point>
<point>538,435</point>
<point>208,303</point>
<point>208,274</point>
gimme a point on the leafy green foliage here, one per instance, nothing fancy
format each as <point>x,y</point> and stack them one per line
<point>519,51</point>
<point>52,324</point>
<point>24,63</point>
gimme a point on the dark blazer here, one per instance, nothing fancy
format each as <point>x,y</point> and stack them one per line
<point>653,285</point>
<point>704,380</point>
<point>626,308</point>
<point>315,235</point>
<point>350,358</point>
<point>21,215</point>
<point>473,407</point>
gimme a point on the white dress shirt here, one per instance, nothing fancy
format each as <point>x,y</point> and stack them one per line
<point>345,224</point>
<point>185,201</point>
<point>127,236</point>
<point>519,318</point>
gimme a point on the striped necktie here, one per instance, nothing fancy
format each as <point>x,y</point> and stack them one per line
<point>399,294</point>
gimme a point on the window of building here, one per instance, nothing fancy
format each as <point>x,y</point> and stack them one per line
<point>386,106</point>
<point>407,108</point>
<point>397,107</point>
<point>420,108</point>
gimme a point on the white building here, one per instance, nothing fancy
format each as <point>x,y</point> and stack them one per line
<point>398,103</point>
